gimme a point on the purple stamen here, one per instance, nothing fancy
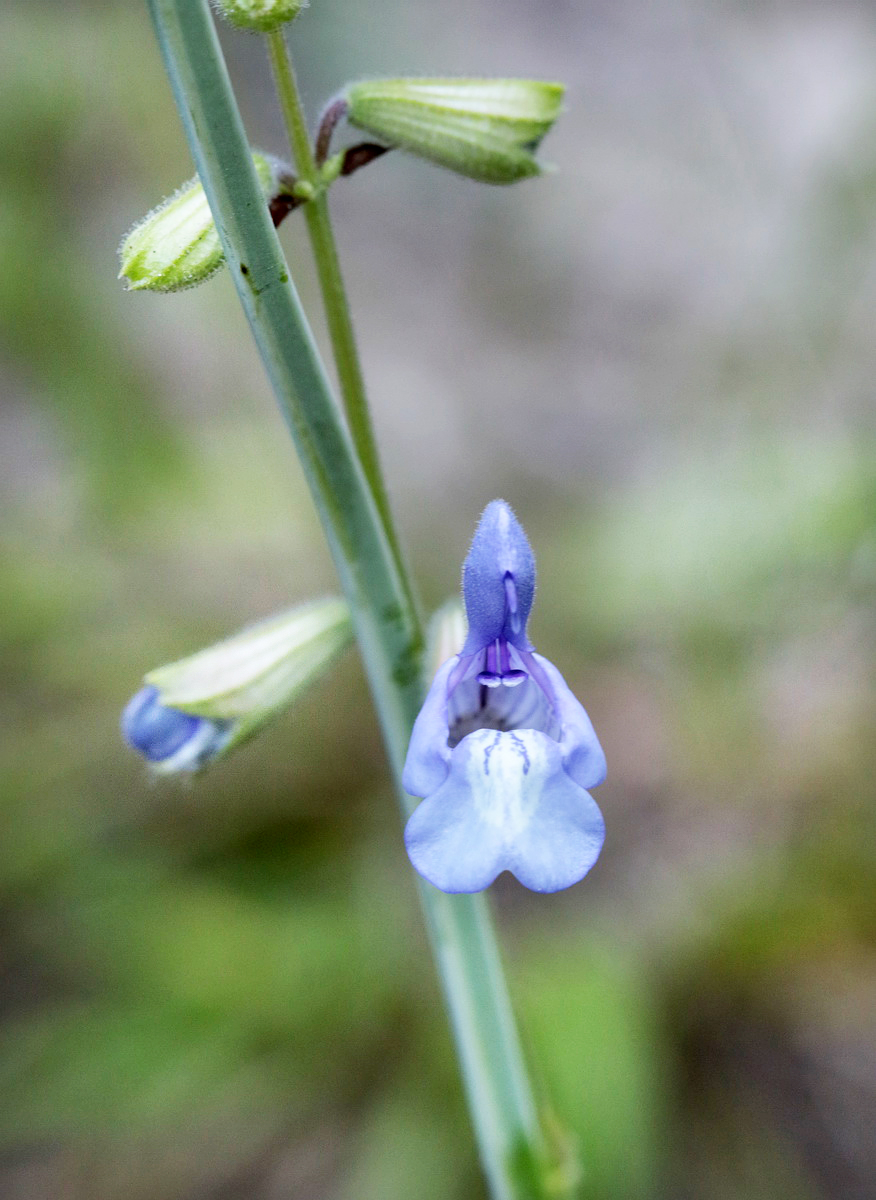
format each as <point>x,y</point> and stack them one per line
<point>493,657</point>
<point>497,666</point>
<point>511,676</point>
<point>491,675</point>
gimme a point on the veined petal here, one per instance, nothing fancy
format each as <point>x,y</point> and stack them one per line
<point>428,757</point>
<point>506,805</point>
<point>583,757</point>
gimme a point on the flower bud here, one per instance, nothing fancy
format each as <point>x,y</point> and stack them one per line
<point>259,16</point>
<point>487,129</point>
<point>177,245</point>
<point>446,635</point>
<point>192,711</point>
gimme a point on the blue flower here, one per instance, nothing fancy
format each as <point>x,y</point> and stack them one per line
<point>501,749</point>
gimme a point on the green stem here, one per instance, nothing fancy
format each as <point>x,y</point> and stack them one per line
<point>331,283</point>
<point>467,958</point>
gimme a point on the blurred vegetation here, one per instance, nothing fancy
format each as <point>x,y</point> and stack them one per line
<point>663,357</point>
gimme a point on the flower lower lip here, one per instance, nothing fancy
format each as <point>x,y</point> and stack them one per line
<point>506,804</point>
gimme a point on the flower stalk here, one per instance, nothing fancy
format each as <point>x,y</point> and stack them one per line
<point>370,572</point>
<point>331,282</point>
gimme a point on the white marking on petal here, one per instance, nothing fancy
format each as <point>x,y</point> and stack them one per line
<point>507,804</point>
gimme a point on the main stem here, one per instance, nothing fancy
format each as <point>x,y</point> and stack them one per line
<point>331,283</point>
<point>370,572</point>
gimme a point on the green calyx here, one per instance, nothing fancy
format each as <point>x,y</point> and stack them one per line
<point>177,245</point>
<point>249,678</point>
<point>259,16</point>
<point>485,129</point>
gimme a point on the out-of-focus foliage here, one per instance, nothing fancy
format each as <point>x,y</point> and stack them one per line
<point>663,356</point>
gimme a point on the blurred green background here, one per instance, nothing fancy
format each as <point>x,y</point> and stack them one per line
<point>663,355</point>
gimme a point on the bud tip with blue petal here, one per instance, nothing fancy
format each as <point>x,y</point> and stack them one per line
<point>171,740</point>
<point>194,711</point>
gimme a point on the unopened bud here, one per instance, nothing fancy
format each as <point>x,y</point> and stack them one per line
<point>487,129</point>
<point>259,16</point>
<point>192,711</point>
<point>446,635</point>
<point>177,245</point>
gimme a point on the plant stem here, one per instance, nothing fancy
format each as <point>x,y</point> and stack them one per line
<point>370,573</point>
<point>331,283</point>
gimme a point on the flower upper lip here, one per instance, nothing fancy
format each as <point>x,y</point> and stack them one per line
<point>498,581</point>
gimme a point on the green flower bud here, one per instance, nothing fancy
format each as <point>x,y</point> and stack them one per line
<point>192,711</point>
<point>487,129</point>
<point>260,16</point>
<point>177,245</point>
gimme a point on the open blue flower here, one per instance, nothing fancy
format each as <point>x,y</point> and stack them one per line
<point>501,750</point>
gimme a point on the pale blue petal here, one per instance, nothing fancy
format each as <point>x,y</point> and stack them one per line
<point>170,739</point>
<point>583,757</point>
<point>428,758</point>
<point>506,805</point>
<point>563,840</point>
<point>157,732</point>
<point>499,550</point>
